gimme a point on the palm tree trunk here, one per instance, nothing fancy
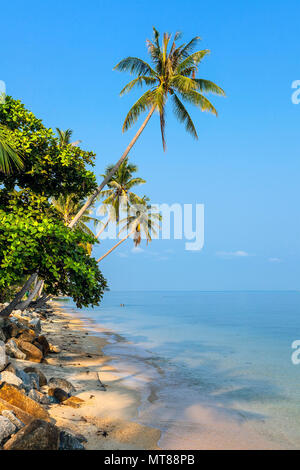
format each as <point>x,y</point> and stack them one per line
<point>106,180</point>
<point>102,228</point>
<point>34,292</point>
<point>115,246</point>
<point>7,310</point>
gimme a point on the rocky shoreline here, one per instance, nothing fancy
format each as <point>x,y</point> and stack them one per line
<point>48,359</point>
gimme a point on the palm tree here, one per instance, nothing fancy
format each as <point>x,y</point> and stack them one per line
<point>9,157</point>
<point>171,75</point>
<point>64,138</point>
<point>67,206</point>
<point>141,219</point>
<point>119,194</point>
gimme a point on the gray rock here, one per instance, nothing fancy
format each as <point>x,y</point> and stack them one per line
<point>65,385</point>
<point>41,375</point>
<point>3,358</point>
<point>69,442</point>
<point>35,324</point>
<point>7,428</point>
<point>40,397</point>
<point>13,419</point>
<point>13,351</point>
<point>10,378</point>
<point>2,335</point>
<point>30,380</point>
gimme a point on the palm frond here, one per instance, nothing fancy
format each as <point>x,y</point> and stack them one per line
<point>199,100</point>
<point>183,116</point>
<point>191,60</point>
<point>135,65</point>
<point>208,86</point>
<point>139,81</point>
<point>139,107</point>
<point>9,158</point>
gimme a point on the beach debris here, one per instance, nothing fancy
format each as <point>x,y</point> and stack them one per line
<point>68,441</point>
<point>38,435</point>
<point>102,385</point>
<point>54,349</point>
<point>57,382</point>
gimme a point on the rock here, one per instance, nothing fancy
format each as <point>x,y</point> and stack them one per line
<point>38,435</point>
<point>13,419</point>
<point>3,358</point>
<point>59,394</point>
<point>22,415</point>
<point>7,428</point>
<point>27,335</point>
<point>35,324</point>
<point>10,378</point>
<point>41,376</point>
<point>57,382</point>
<point>40,397</point>
<point>2,335</point>
<point>18,399</point>
<point>54,349</point>
<point>13,351</point>
<point>74,402</point>
<point>69,442</point>
<point>30,380</point>
<point>32,352</point>
<point>42,341</point>
<point>11,330</point>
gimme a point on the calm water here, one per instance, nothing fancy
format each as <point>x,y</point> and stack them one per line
<point>231,350</point>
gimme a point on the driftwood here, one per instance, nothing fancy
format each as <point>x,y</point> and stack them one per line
<point>102,385</point>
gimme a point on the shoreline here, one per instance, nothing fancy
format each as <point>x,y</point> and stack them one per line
<point>124,406</point>
<point>107,417</point>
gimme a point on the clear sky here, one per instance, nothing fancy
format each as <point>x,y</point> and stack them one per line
<point>57,57</point>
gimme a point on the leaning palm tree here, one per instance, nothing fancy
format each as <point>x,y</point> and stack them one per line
<point>172,74</point>
<point>119,195</point>
<point>9,158</point>
<point>142,219</point>
<point>67,206</point>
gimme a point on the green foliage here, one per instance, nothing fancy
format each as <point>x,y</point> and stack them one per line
<point>49,169</point>
<point>172,72</point>
<point>9,158</point>
<point>33,238</point>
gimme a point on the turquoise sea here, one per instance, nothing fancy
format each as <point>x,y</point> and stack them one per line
<point>212,358</point>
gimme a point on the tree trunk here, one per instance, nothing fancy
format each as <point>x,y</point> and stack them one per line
<point>106,180</point>
<point>115,246</point>
<point>41,301</point>
<point>27,302</point>
<point>102,228</point>
<point>7,310</point>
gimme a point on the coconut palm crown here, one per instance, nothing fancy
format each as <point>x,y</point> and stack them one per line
<point>172,74</point>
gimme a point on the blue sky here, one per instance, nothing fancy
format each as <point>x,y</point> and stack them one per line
<point>58,60</point>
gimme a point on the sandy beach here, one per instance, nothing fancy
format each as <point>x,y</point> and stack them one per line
<point>106,417</point>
